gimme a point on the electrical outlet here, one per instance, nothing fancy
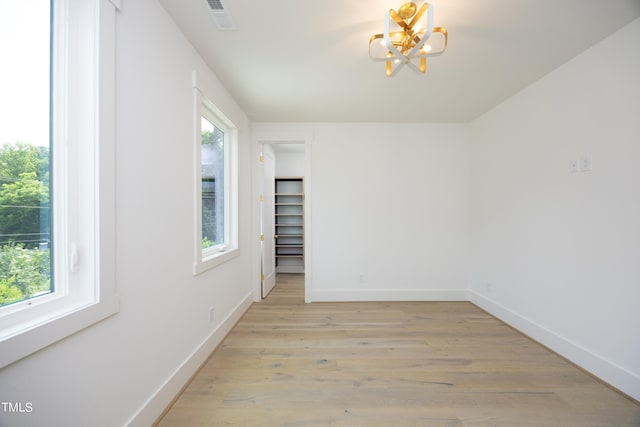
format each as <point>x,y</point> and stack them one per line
<point>573,166</point>
<point>585,163</point>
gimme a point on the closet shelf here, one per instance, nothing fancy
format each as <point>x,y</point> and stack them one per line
<point>289,224</point>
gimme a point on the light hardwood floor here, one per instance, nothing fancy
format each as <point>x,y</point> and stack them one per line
<point>287,363</point>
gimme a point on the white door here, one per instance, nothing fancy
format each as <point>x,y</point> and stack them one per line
<point>268,215</point>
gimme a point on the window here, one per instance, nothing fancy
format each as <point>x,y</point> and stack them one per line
<point>216,186</point>
<point>214,209</point>
<point>25,197</point>
<point>56,190</point>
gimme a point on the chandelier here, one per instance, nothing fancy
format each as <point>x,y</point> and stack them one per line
<point>404,41</point>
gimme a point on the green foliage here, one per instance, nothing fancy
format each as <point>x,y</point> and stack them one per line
<point>25,271</point>
<point>9,292</point>
<point>16,159</point>
<point>28,270</point>
<point>206,243</point>
<point>24,194</point>
<point>20,205</point>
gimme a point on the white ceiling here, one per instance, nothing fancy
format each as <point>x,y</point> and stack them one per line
<point>307,61</point>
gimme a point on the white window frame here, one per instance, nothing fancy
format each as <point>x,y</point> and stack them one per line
<point>83,180</point>
<point>217,254</point>
<point>212,117</point>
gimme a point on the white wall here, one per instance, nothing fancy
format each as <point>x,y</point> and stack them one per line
<point>289,164</point>
<point>561,250</point>
<point>106,374</point>
<point>389,203</point>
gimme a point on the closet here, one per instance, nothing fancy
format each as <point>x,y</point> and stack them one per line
<point>289,224</point>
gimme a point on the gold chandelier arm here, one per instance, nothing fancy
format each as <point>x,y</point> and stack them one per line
<point>397,18</point>
<point>381,36</point>
<point>444,32</point>
<point>375,37</point>
<point>418,14</point>
<point>396,34</point>
<point>396,43</point>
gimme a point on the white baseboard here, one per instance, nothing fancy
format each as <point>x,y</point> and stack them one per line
<point>609,372</point>
<point>346,295</point>
<point>164,395</point>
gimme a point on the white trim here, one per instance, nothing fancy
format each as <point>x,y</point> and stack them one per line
<point>162,397</point>
<point>214,261</point>
<point>281,137</point>
<point>85,223</point>
<point>308,223</point>
<point>597,365</point>
<point>366,295</point>
<point>106,167</point>
<point>206,260</point>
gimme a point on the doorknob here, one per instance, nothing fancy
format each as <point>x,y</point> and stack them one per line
<point>275,236</point>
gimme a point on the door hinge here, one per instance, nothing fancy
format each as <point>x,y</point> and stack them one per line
<point>262,198</point>
<point>261,158</point>
<point>262,277</point>
<point>262,237</point>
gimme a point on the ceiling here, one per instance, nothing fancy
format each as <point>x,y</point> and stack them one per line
<point>308,61</point>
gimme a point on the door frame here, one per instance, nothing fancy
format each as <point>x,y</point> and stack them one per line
<point>273,138</point>
<point>267,236</point>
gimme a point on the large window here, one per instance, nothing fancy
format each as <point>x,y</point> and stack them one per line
<point>25,197</point>
<point>56,171</point>
<point>216,234</point>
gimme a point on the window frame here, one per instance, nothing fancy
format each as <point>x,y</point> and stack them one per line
<point>83,245</point>
<point>213,119</point>
<point>221,253</point>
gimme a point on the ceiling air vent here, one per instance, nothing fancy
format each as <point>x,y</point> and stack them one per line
<point>221,17</point>
<point>215,4</point>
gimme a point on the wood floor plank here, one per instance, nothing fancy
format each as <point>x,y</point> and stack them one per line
<point>287,363</point>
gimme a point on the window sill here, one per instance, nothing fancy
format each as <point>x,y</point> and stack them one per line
<point>215,260</point>
<point>57,327</point>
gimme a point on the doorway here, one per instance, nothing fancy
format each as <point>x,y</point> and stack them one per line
<point>284,213</point>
